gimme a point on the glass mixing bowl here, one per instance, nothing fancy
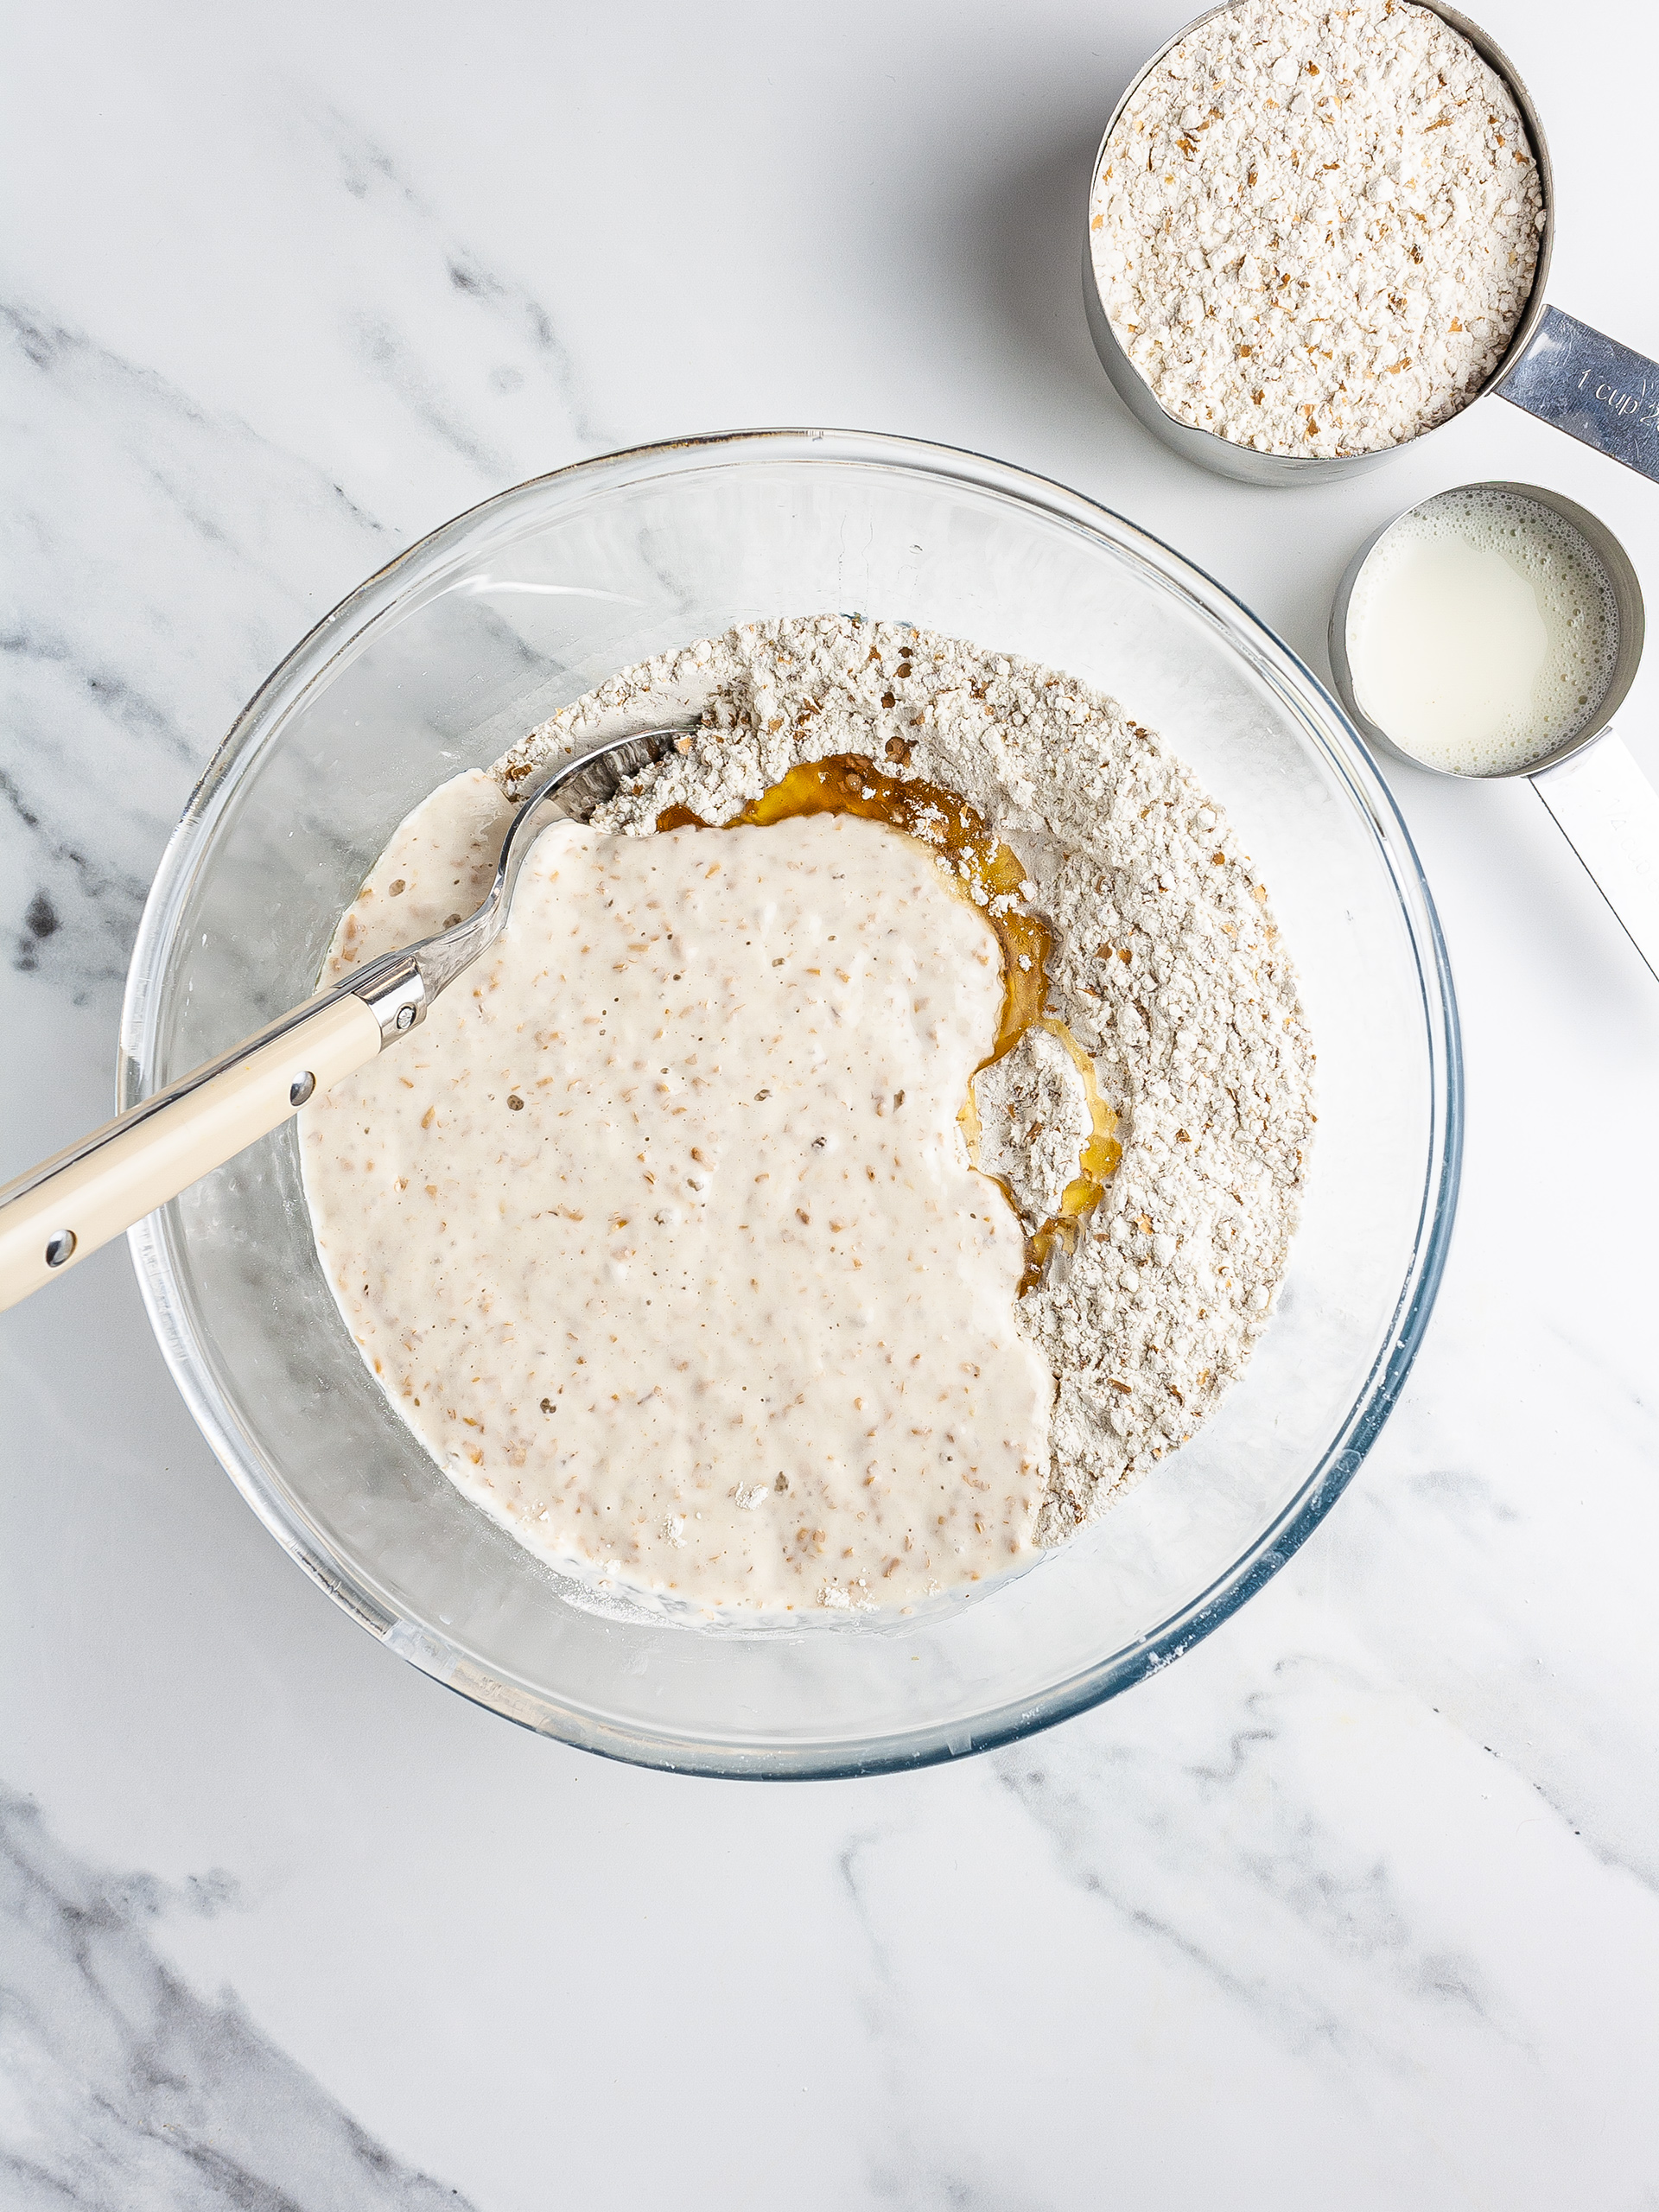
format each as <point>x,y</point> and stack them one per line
<point>438,664</point>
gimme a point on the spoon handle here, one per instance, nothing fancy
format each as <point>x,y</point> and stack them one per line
<point>1591,387</point>
<point>70,1205</point>
<point>55,1215</point>
<point>1609,813</point>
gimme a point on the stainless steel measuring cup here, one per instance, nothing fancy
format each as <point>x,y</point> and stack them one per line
<point>1555,366</point>
<point>1604,804</point>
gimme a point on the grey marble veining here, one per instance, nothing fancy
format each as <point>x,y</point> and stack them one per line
<point>126,2090</point>
<point>124,670</point>
<point>1357,1903</point>
<point>372,177</point>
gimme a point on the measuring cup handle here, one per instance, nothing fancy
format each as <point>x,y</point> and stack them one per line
<point>1609,813</point>
<point>1592,387</point>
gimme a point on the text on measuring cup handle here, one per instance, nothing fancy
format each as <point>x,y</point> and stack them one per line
<point>1592,387</point>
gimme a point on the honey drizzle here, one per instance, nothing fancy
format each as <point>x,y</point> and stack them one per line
<point>978,862</point>
<point>1097,1162</point>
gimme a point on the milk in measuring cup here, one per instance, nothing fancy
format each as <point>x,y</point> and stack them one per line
<point>1482,633</point>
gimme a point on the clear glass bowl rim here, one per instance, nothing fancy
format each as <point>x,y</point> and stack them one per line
<point>381,593</point>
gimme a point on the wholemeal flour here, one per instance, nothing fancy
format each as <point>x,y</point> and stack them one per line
<point>1033,1120</point>
<point>1165,968</point>
<point>1315,228</point>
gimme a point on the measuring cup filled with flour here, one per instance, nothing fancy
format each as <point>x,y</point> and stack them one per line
<point>1318,233</point>
<point>1493,632</point>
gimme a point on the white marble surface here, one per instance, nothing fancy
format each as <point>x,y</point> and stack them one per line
<point>1357,1905</point>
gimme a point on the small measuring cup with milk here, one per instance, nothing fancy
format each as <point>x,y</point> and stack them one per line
<point>1494,631</point>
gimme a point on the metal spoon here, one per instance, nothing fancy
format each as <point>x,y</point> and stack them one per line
<point>70,1205</point>
<point>1604,806</point>
<point>1555,366</point>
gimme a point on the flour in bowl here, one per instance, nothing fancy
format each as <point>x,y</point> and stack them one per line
<point>932,1175</point>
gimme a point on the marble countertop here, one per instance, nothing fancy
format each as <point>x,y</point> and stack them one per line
<point>1358,1904</point>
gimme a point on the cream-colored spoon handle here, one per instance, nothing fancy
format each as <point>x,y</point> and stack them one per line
<point>1609,813</point>
<point>68,1206</point>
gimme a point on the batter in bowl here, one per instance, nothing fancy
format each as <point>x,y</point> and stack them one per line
<point>751,1226</point>
<point>663,1236</point>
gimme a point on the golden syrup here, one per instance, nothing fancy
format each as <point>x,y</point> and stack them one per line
<point>982,869</point>
<point>1097,1163</point>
